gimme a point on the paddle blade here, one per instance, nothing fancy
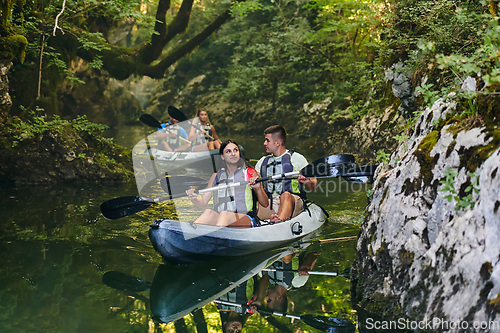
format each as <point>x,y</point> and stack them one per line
<point>124,206</point>
<point>176,113</point>
<point>361,174</point>
<point>346,273</point>
<point>179,185</point>
<point>330,166</point>
<point>329,324</point>
<point>122,281</point>
<point>149,120</point>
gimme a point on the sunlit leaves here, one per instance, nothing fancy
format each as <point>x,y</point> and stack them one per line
<point>243,8</point>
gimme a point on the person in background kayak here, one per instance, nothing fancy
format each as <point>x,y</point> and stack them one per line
<point>285,196</point>
<point>171,136</point>
<point>234,207</point>
<point>202,133</point>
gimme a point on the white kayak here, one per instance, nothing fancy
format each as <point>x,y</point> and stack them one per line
<point>182,242</point>
<point>183,158</point>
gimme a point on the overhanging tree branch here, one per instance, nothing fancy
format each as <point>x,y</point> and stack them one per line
<point>158,71</point>
<point>164,34</point>
<point>123,62</point>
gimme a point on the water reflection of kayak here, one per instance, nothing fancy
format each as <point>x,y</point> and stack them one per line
<point>182,242</point>
<point>177,291</point>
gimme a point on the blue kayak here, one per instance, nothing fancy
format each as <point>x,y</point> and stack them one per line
<point>182,242</point>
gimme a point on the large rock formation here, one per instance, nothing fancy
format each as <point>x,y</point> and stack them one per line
<point>5,101</point>
<point>420,256</point>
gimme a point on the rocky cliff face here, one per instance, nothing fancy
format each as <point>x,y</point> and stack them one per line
<point>5,101</point>
<point>421,256</point>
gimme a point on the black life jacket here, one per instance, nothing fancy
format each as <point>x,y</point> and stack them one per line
<point>239,199</point>
<point>173,141</point>
<point>272,166</point>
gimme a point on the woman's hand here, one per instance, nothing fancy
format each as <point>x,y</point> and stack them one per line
<point>191,193</point>
<point>253,184</point>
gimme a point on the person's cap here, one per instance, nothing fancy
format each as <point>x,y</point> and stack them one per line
<point>176,113</point>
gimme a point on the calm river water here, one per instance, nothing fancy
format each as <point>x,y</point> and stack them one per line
<point>56,247</point>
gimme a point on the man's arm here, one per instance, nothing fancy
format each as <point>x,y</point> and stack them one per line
<point>216,138</point>
<point>299,162</point>
<point>308,263</point>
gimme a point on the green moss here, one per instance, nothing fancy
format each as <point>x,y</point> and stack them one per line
<point>13,47</point>
<point>52,149</point>
<point>384,195</point>
<point>406,259</point>
<point>386,306</point>
<point>423,155</point>
<point>495,302</point>
<point>481,153</point>
<point>381,249</point>
<point>429,141</point>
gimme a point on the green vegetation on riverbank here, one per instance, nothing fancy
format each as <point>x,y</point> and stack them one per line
<point>319,68</point>
<point>39,151</point>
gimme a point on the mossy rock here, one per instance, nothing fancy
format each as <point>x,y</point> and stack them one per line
<point>422,153</point>
<point>12,47</point>
<point>59,152</point>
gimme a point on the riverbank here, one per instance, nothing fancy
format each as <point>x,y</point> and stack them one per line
<point>36,151</point>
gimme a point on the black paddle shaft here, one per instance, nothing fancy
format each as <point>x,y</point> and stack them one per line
<point>319,322</point>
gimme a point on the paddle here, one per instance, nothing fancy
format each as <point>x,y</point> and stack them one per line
<point>122,281</point>
<point>344,274</point>
<point>361,174</point>
<point>330,166</point>
<point>125,206</point>
<point>150,120</point>
<point>319,322</point>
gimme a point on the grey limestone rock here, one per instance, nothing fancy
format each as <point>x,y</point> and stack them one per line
<point>415,249</point>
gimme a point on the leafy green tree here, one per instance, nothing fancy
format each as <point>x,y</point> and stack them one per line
<point>60,32</point>
<point>291,56</point>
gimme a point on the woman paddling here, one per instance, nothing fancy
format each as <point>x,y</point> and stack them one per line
<point>234,207</point>
<point>203,133</point>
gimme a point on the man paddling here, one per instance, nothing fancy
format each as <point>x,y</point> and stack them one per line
<point>285,196</point>
<point>170,134</point>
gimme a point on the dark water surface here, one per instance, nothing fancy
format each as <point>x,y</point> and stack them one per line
<point>56,246</point>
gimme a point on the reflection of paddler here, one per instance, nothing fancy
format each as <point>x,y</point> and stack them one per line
<point>177,291</point>
<point>282,279</point>
<point>171,136</point>
<point>233,318</point>
<point>256,291</point>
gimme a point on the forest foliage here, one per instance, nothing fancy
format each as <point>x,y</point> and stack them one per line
<point>269,59</point>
